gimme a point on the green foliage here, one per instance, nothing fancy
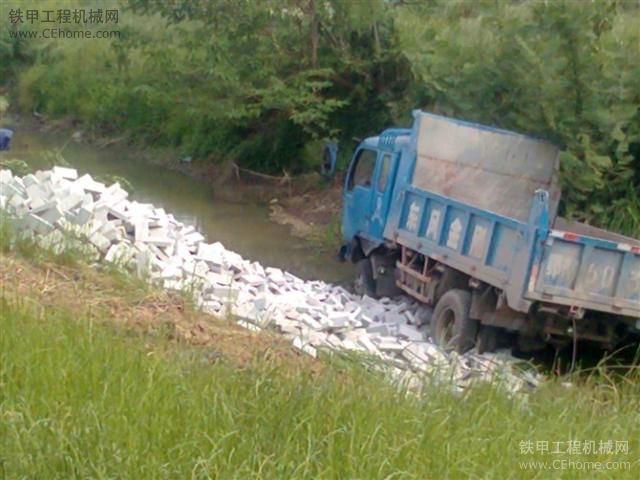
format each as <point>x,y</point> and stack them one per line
<point>110,179</point>
<point>567,71</point>
<point>112,403</point>
<point>17,166</point>
<point>264,82</point>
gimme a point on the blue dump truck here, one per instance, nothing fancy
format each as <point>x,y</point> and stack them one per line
<point>463,217</point>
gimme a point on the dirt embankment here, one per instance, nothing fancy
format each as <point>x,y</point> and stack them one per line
<point>309,204</point>
<point>130,303</point>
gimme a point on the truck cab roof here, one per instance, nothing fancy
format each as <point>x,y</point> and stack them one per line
<point>391,139</point>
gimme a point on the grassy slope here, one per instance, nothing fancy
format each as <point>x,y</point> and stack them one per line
<point>101,377</point>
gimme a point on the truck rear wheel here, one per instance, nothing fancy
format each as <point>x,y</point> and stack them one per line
<point>449,280</point>
<point>452,327</point>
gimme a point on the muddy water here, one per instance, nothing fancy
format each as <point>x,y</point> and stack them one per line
<point>243,228</point>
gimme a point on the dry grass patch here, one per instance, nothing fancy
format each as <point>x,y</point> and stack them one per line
<point>126,301</point>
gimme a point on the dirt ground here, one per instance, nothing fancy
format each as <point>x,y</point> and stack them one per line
<point>128,302</point>
<point>306,202</point>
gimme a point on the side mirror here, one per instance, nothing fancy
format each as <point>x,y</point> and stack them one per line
<point>329,160</point>
<point>5,138</point>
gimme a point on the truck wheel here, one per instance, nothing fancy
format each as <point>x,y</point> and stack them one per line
<point>365,284</point>
<point>449,280</point>
<point>452,327</point>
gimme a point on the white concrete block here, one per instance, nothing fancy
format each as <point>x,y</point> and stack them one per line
<point>100,242</point>
<point>348,344</point>
<point>334,341</point>
<point>100,213</point>
<point>17,182</point>
<point>119,211</point>
<point>88,184</point>
<point>379,329</point>
<point>68,173</point>
<point>300,344</point>
<point>392,345</point>
<point>336,320</point>
<point>83,215</point>
<point>432,351</point>
<point>249,326</point>
<point>72,201</point>
<point>159,240</point>
<point>368,345</point>
<point>287,326</point>
<point>224,278</point>
<point>43,175</point>
<point>143,263</point>
<point>51,215</point>
<point>119,253</point>
<point>141,228</point>
<point>29,180</point>
<point>224,293</point>
<point>37,224</point>
<point>193,238</point>
<point>37,193</point>
<point>17,206</point>
<point>311,322</point>
<point>9,190</point>
<point>211,253</point>
<point>411,333</point>
<point>261,302</point>
<point>395,318</point>
<point>171,272</point>
<point>115,194</point>
<point>414,353</point>
<point>157,252</point>
<point>5,176</point>
<point>109,231</point>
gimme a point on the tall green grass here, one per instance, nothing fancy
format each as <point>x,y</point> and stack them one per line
<point>78,400</point>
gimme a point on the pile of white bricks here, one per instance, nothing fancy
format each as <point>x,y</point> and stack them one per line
<point>57,204</point>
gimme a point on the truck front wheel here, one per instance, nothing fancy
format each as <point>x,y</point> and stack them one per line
<point>452,327</point>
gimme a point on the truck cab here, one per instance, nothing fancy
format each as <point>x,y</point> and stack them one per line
<point>369,189</point>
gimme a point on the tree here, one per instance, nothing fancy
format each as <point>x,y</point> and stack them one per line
<point>565,71</point>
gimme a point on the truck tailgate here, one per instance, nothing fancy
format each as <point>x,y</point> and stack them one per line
<point>587,271</point>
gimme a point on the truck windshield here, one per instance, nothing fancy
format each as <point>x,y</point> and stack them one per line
<point>362,170</point>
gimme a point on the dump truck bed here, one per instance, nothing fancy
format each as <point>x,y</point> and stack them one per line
<point>582,266</point>
<point>484,201</point>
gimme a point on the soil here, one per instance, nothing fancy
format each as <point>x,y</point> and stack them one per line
<point>94,296</point>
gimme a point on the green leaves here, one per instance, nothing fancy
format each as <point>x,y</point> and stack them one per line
<point>261,81</point>
<point>566,71</point>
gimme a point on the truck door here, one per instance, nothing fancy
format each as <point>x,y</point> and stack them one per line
<point>358,193</point>
<point>382,191</point>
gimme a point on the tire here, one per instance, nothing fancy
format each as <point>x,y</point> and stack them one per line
<point>452,327</point>
<point>365,284</point>
<point>450,279</point>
